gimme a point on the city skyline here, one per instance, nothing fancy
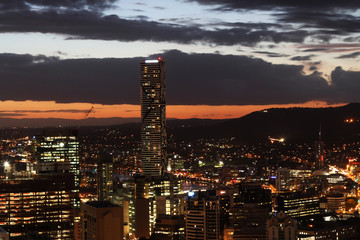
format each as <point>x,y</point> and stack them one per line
<point>60,59</point>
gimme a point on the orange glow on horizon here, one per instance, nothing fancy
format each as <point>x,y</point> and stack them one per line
<point>51,109</point>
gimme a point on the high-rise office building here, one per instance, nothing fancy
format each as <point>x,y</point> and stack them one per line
<point>202,216</point>
<point>252,207</point>
<point>58,147</point>
<point>153,118</point>
<point>298,204</point>
<point>282,180</point>
<point>105,177</point>
<point>146,199</point>
<point>39,205</point>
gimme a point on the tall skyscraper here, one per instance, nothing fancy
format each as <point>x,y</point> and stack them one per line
<point>60,147</point>
<point>153,118</point>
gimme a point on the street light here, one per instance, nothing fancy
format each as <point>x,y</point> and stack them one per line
<point>6,164</point>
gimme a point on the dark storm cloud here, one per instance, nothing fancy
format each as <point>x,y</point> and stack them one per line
<point>329,48</point>
<point>83,19</point>
<point>214,79</point>
<point>73,4</point>
<point>13,5</point>
<point>6,114</point>
<point>261,26</point>
<point>316,50</point>
<point>76,80</point>
<point>331,23</point>
<point>347,84</point>
<point>271,4</point>
<point>302,58</point>
<point>217,79</point>
<point>90,25</point>
<point>326,19</point>
<point>312,68</point>
<point>271,54</point>
<point>351,55</point>
<point>313,65</point>
<point>352,39</point>
<point>9,59</point>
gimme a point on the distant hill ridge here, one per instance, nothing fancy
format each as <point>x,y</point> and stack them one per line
<point>339,125</point>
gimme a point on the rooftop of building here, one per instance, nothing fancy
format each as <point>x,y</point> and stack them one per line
<point>335,194</point>
<point>297,194</point>
<point>52,132</point>
<point>324,224</point>
<point>101,204</point>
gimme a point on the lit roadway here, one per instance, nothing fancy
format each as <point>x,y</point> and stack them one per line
<point>343,171</point>
<point>349,175</point>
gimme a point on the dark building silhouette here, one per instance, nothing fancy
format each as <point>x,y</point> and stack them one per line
<point>169,228</point>
<point>252,207</point>
<point>105,177</point>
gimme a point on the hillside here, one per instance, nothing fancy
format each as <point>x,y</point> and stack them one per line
<point>293,124</point>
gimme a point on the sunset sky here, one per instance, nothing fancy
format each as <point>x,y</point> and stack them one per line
<point>224,58</point>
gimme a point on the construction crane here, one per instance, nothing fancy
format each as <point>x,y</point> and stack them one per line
<point>91,110</point>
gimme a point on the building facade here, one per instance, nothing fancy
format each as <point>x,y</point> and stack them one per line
<point>102,221</point>
<point>153,117</point>
<point>281,227</point>
<point>40,205</point>
<point>4,235</point>
<point>298,204</point>
<point>202,216</point>
<point>58,147</point>
<point>105,177</point>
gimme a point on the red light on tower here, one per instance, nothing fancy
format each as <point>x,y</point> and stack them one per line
<point>159,58</point>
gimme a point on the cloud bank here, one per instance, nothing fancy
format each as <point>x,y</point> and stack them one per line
<point>211,79</point>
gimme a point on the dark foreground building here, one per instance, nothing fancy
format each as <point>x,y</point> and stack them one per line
<point>38,206</point>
